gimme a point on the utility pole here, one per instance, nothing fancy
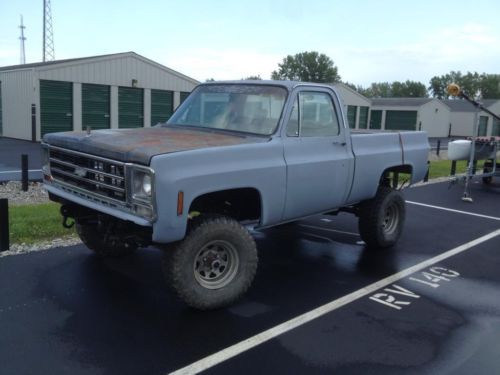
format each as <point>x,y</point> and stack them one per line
<point>22,39</point>
<point>48,34</point>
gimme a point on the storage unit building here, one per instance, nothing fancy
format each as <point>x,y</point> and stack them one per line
<point>463,114</point>
<point>123,90</point>
<point>395,114</point>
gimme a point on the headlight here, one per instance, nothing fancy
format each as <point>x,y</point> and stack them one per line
<point>146,185</point>
<point>142,184</point>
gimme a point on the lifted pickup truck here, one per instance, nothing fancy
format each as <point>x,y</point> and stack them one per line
<point>234,155</point>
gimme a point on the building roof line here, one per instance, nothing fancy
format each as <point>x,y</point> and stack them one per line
<point>56,63</point>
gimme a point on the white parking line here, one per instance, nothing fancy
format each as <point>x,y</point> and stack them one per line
<point>452,210</point>
<point>329,230</point>
<point>251,342</point>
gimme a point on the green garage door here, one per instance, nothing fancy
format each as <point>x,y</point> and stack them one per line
<point>363,117</point>
<point>95,106</point>
<point>376,119</point>
<point>130,107</point>
<point>401,120</point>
<point>162,105</point>
<point>496,128</point>
<point>56,106</point>
<point>351,115</point>
<point>483,126</point>
<point>184,95</point>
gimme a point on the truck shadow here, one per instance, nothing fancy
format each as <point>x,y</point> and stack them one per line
<point>124,319</point>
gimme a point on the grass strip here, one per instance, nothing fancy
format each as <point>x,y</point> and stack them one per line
<point>442,168</point>
<point>33,223</point>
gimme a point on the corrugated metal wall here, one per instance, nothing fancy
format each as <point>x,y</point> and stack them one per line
<point>119,71</point>
<point>17,96</point>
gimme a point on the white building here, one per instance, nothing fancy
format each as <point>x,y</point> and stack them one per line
<point>120,90</point>
<point>426,114</point>
<point>463,115</point>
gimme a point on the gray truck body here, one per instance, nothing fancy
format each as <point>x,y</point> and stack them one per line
<point>293,176</point>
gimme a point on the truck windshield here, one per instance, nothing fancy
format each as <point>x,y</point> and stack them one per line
<point>244,108</point>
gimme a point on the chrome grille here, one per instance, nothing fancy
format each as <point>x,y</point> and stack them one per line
<point>97,175</point>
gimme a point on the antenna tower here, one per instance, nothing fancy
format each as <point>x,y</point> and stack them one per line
<point>22,39</point>
<point>48,34</point>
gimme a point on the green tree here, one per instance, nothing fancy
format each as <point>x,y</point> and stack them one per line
<point>471,83</point>
<point>408,89</point>
<point>490,86</point>
<point>307,67</point>
<point>253,78</point>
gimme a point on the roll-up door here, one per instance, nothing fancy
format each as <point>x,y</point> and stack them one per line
<point>95,106</point>
<point>375,119</point>
<point>56,106</point>
<point>483,126</point>
<point>401,120</point>
<point>184,95</point>
<point>162,104</point>
<point>363,117</point>
<point>351,115</point>
<point>130,107</point>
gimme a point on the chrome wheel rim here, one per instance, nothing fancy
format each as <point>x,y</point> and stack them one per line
<point>216,264</point>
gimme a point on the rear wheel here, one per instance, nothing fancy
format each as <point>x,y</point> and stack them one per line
<point>488,168</point>
<point>381,219</point>
<point>214,265</point>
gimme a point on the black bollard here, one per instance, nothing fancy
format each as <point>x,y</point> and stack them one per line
<point>438,147</point>
<point>24,172</point>
<point>426,177</point>
<point>453,168</point>
<point>4,224</point>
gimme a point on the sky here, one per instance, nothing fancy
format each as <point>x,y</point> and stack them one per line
<point>369,41</point>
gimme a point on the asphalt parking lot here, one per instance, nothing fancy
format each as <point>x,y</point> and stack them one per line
<point>321,302</point>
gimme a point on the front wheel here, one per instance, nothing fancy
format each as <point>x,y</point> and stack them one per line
<point>214,265</point>
<point>381,218</point>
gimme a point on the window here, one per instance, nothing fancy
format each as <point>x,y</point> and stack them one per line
<point>313,115</point>
<point>252,109</point>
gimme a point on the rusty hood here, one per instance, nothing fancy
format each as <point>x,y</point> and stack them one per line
<point>140,145</point>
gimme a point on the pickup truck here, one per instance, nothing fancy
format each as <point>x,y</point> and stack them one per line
<point>234,156</point>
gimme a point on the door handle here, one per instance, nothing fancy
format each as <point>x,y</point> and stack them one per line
<point>339,143</point>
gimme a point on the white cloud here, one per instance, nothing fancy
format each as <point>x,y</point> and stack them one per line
<point>221,64</point>
<point>471,47</point>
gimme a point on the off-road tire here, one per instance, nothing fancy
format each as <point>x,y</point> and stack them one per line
<point>192,266</point>
<point>93,238</point>
<point>381,219</point>
<point>488,168</point>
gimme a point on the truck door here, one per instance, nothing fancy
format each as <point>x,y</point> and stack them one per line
<point>317,154</point>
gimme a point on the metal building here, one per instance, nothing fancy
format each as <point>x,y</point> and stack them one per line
<point>122,90</point>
